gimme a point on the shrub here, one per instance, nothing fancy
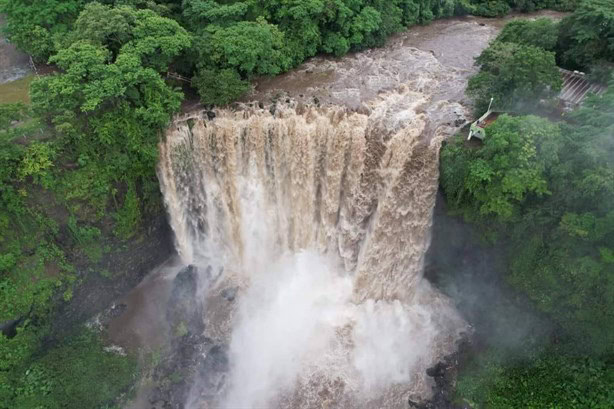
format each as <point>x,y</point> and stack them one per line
<point>219,87</point>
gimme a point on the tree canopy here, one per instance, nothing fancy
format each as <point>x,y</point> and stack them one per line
<point>542,33</point>
<point>587,35</point>
<point>269,37</point>
<point>549,189</point>
<point>496,179</point>
<point>35,25</point>
<point>545,199</point>
<point>544,191</point>
<point>111,67</point>
<point>516,75</point>
<point>567,266</point>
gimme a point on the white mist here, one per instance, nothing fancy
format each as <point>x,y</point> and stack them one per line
<point>286,320</point>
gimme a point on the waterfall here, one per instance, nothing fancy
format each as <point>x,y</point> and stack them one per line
<point>321,217</point>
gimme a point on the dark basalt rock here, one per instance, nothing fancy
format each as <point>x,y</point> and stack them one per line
<point>459,122</point>
<point>108,315</point>
<point>185,311</point>
<point>444,373</point>
<point>212,372</point>
<point>117,310</point>
<point>229,294</point>
<point>128,263</point>
<point>9,328</point>
<point>195,366</point>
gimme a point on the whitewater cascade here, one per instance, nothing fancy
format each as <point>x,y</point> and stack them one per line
<point>320,216</point>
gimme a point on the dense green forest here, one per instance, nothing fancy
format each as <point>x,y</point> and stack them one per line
<point>78,163</point>
<point>543,189</point>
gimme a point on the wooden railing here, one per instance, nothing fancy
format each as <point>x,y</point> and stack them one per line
<point>178,77</point>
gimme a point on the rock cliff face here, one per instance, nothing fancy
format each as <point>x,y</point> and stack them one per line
<point>124,267</point>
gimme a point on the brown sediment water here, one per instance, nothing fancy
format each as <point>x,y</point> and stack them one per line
<point>316,201</point>
<point>337,200</point>
<point>359,77</point>
<point>141,325</point>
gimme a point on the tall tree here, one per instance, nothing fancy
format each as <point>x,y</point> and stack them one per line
<point>542,33</point>
<point>109,101</point>
<point>587,35</point>
<point>35,25</point>
<point>567,262</point>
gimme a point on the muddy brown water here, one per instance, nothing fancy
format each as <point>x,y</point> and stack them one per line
<point>142,325</point>
<point>358,77</point>
<point>351,81</point>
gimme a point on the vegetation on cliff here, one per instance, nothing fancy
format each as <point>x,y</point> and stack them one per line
<point>544,191</point>
<point>45,231</point>
<point>78,170</point>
